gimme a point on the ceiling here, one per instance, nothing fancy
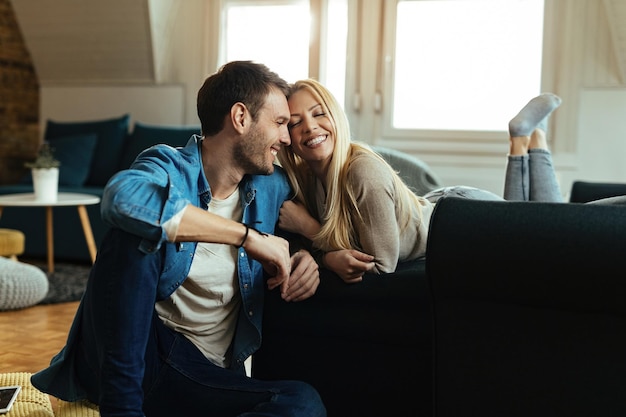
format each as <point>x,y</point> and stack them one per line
<point>88,41</point>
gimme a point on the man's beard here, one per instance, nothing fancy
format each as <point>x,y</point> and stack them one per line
<point>251,154</point>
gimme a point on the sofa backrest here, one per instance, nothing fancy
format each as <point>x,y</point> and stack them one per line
<point>585,191</point>
<point>92,151</point>
<point>416,173</point>
<point>529,308</point>
<point>100,161</point>
<point>143,136</point>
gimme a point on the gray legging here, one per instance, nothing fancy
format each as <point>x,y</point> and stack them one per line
<point>528,178</point>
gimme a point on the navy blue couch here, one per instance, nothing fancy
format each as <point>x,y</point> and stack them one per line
<point>90,153</point>
<point>466,332</point>
<point>528,307</point>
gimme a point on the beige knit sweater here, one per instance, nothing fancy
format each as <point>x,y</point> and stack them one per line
<point>379,231</point>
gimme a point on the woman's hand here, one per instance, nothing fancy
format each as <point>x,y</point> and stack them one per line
<point>349,264</point>
<point>294,217</point>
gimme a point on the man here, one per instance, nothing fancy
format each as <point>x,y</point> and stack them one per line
<point>166,323</point>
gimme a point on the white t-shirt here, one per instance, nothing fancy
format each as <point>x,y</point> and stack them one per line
<point>206,306</point>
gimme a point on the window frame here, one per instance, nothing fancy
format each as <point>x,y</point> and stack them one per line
<point>424,140</point>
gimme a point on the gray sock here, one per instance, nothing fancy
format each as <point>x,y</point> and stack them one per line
<point>543,125</point>
<point>534,115</point>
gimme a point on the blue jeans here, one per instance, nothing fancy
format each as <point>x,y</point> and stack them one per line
<point>532,178</point>
<point>126,356</point>
<point>529,177</point>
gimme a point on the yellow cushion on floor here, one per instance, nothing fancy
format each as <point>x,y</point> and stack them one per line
<point>76,409</point>
<point>11,243</point>
<point>30,401</point>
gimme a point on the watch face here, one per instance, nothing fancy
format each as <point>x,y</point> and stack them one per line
<point>7,397</point>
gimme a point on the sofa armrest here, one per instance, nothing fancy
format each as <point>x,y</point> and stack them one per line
<point>529,311</point>
<point>548,254</point>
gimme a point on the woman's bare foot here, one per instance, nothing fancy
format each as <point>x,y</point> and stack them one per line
<point>538,140</point>
<point>519,145</point>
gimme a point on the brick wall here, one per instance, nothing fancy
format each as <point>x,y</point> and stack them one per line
<point>19,99</point>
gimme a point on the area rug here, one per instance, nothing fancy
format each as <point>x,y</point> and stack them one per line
<point>67,282</point>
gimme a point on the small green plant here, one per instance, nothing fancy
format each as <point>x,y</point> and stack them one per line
<point>45,158</point>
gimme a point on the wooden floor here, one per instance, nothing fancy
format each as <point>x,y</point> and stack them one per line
<point>30,337</point>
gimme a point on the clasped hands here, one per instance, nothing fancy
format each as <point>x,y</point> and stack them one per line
<point>296,275</point>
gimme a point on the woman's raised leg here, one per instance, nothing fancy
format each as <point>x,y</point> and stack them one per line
<point>542,177</point>
<point>527,137</point>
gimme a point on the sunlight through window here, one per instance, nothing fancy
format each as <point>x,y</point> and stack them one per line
<point>465,65</point>
<point>275,35</point>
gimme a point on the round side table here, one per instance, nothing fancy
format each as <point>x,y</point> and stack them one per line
<point>63,199</point>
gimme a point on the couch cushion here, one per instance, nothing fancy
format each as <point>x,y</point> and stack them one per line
<point>144,136</point>
<point>75,153</point>
<point>111,135</point>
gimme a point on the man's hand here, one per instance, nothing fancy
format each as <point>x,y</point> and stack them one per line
<point>273,253</point>
<point>349,264</point>
<point>304,279</point>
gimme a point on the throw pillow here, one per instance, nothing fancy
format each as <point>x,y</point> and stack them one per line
<point>75,153</point>
<point>144,136</point>
<point>111,136</point>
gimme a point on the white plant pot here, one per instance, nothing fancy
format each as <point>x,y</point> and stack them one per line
<point>46,184</point>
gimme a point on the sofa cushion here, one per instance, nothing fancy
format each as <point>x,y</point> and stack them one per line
<point>111,135</point>
<point>75,153</point>
<point>144,136</point>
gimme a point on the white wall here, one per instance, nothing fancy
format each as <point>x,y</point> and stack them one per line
<point>602,135</point>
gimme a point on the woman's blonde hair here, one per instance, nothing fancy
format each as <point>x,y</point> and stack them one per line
<point>337,231</point>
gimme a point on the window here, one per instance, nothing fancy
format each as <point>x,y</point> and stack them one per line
<point>278,34</point>
<point>443,65</point>
<point>463,65</point>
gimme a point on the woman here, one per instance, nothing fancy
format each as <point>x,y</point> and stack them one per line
<point>354,208</point>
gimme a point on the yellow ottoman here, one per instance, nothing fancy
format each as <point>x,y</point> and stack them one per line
<point>11,243</point>
<point>76,409</point>
<point>31,402</point>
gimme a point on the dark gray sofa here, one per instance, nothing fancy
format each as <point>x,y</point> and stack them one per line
<point>365,347</point>
<point>419,341</point>
<point>529,309</point>
<point>90,153</point>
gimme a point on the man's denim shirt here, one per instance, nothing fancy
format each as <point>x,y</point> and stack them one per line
<point>162,181</point>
